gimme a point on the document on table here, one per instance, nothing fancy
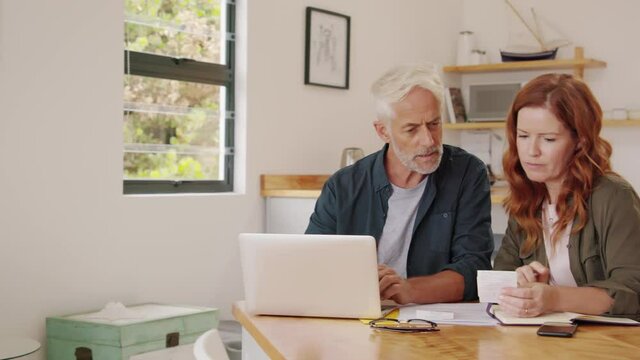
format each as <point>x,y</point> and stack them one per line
<point>449,313</point>
<point>491,282</point>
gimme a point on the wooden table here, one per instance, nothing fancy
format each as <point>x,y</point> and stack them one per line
<point>308,338</point>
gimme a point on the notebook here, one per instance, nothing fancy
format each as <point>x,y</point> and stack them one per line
<point>310,275</point>
<point>569,317</point>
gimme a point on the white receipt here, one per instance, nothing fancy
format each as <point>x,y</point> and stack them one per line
<point>491,282</point>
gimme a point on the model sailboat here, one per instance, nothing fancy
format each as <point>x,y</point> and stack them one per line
<point>544,50</point>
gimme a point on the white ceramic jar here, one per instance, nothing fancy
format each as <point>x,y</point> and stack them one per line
<point>466,43</point>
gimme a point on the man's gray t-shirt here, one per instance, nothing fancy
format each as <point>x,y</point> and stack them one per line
<point>393,247</point>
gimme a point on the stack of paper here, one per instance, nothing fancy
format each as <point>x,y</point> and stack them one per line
<point>449,313</point>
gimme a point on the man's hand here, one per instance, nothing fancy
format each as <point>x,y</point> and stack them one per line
<point>531,300</point>
<point>393,286</point>
<point>532,273</point>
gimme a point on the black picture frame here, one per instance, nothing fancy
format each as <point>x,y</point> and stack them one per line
<point>327,46</point>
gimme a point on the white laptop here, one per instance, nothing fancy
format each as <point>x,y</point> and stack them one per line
<point>310,275</point>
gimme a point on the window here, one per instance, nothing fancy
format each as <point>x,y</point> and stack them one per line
<point>178,96</point>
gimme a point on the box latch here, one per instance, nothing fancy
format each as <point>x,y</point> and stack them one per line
<point>173,339</point>
<point>83,353</point>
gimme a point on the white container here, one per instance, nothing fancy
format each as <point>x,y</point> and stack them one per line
<point>466,43</point>
<point>619,114</point>
<point>634,114</point>
<point>350,156</point>
<point>478,57</point>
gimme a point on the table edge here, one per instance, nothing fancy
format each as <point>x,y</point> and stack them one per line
<point>239,313</point>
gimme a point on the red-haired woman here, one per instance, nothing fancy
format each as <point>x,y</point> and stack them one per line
<point>574,225</point>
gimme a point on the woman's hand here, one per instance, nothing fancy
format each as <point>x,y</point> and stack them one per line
<point>532,273</point>
<point>530,300</point>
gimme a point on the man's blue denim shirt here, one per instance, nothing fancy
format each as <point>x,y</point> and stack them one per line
<point>452,230</point>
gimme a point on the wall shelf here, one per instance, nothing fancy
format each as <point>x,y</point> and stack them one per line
<point>578,64</point>
<point>475,125</point>
<point>501,124</point>
<point>527,65</point>
<point>621,123</point>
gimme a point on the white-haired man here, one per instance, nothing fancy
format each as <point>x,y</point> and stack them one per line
<point>427,204</point>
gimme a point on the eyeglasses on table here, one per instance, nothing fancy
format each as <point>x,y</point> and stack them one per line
<point>409,326</point>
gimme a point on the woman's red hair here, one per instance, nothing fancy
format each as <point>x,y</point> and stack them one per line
<point>573,104</point>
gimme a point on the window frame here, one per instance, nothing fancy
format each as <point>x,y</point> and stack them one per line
<point>183,69</point>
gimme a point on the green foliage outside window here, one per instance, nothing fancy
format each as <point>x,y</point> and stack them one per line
<point>172,128</point>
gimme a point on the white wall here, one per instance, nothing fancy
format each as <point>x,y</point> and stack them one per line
<point>70,241</point>
<point>302,128</point>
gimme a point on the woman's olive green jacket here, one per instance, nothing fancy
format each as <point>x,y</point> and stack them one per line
<point>604,254</point>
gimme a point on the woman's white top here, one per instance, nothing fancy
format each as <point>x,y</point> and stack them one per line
<point>558,255</point>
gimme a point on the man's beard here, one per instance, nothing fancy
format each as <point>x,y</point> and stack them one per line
<point>408,160</point>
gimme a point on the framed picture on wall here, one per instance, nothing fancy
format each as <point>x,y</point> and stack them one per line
<point>327,49</point>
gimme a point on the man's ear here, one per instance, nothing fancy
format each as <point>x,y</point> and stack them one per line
<point>382,131</point>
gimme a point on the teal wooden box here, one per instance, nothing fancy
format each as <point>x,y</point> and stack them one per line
<point>72,337</point>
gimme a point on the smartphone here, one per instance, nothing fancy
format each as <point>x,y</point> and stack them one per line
<point>557,329</point>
